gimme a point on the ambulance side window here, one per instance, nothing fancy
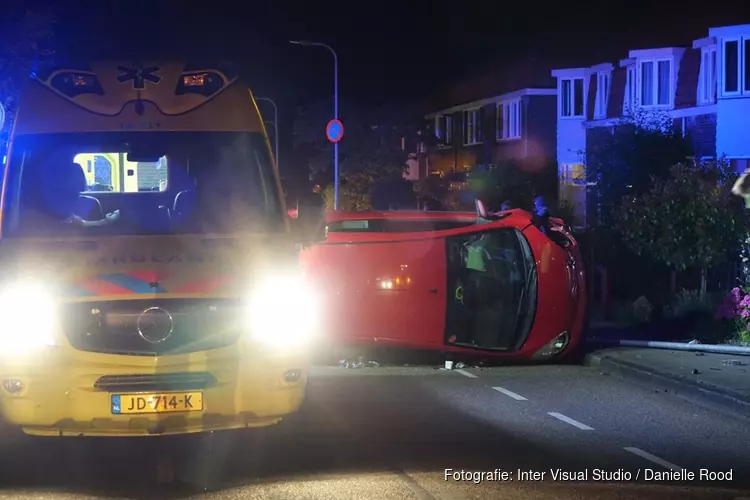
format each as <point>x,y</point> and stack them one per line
<point>113,172</point>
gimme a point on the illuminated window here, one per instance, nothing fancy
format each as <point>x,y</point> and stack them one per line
<point>508,120</point>
<point>113,172</point>
<point>573,186</point>
<point>571,97</point>
<point>735,64</point>
<point>631,90</point>
<point>472,126</point>
<point>444,129</point>
<point>707,85</point>
<point>656,83</point>
<point>602,95</point>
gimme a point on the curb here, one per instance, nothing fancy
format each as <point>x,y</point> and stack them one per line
<point>697,392</point>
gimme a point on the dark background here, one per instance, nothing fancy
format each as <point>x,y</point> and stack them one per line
<point>392,53</point>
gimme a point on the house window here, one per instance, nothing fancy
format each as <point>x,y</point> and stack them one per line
<point>602,94</point>
<point>573,188</point>
<point>444,129</point>
<point>707,87</point>
<point>631,90</point>
<point>571,92</point>
<point>508,120</point>
<point>656,83</point>
<point>472,126</point>
<point>735,66</point>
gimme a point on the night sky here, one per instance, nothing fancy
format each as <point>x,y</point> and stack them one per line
<point>387,50</point>
<point>406,51</point>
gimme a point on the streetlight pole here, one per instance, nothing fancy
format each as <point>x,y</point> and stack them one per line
<point>275,127</point>
<point>306,43</point>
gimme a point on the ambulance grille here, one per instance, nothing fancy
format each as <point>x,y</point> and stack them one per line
<point>113,327</point>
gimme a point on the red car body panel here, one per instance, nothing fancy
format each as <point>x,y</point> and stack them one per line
<point>391,288</point>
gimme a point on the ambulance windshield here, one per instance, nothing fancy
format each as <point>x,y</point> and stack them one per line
<point>140,183</point>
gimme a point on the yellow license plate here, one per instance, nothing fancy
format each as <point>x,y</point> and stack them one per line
<point>170,402</point>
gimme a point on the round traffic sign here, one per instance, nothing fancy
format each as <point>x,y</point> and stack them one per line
<point>335,130</point>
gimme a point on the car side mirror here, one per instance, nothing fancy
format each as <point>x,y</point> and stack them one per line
<point>481,209</point>
<point>486,215</point>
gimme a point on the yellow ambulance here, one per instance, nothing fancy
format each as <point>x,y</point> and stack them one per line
<point>149,282</point>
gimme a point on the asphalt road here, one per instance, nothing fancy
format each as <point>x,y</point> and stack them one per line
<point>391,433</point>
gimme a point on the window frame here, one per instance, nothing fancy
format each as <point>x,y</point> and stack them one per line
<point>630,100</point>
<point>724,91</point>
<point>707,89</point>
<point>743,62</point>
<point>511,127</point>
<point>602,98</point>
<point>571,94</point>
<point>655,85</point>
<point>476,129</point>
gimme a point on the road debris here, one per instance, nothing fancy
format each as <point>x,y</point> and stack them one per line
<point>733,362</point>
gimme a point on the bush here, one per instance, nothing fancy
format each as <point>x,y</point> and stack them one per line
<point>734,313</point>
<point>690,303</point>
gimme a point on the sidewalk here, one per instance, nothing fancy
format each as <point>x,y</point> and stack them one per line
<point>719,380</point>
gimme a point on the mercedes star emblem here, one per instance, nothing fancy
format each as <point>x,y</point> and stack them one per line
<point>155,325</point>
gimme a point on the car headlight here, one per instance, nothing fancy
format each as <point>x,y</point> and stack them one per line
<point>283,310</point>
<point>27,316</point>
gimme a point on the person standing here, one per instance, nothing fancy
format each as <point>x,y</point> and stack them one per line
<point>541,214</point>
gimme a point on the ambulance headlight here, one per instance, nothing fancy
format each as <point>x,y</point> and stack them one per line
<point>27,316</point>
<point>283,310</point>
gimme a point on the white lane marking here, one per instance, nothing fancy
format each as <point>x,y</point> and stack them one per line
<point>512,394</point>
<point>568,420</point>
<point>653,458</point>
<point>466,374</point>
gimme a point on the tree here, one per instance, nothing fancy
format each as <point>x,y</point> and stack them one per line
<point>374,150</point>
<point>622,160</point>
<point>687,220</point>
<point>26,40</point>
<point>517,181</point>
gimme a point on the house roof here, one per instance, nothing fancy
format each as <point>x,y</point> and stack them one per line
<point>502,79</point>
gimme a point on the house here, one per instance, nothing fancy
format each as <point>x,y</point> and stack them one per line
<point>517,125</point>
<point>704,88</point>
<point>504,113</point>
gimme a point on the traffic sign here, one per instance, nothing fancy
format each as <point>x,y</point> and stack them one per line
<point>335,130</point>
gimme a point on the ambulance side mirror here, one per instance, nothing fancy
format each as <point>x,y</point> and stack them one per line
<point>309,219</point>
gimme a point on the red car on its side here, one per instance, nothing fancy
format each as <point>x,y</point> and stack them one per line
<point>451,281</point>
